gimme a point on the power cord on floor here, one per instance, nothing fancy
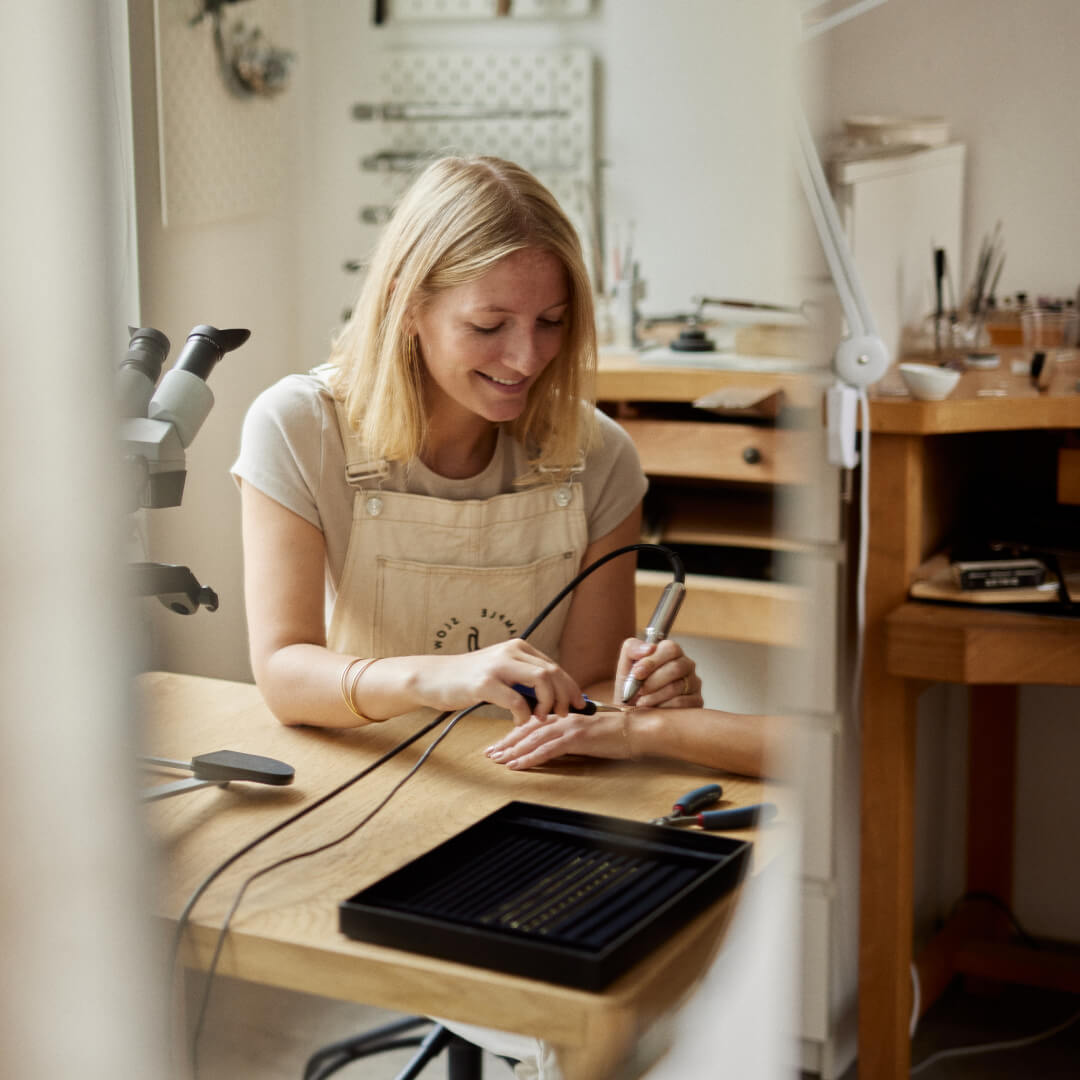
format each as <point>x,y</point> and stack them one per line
<point>980,1048</point>
<point>916,1001</point>
<point>989,1048</point>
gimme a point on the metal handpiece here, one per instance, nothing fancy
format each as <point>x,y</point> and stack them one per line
<point>659,627</point>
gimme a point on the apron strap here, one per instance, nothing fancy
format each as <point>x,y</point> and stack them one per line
<point>359,467</point>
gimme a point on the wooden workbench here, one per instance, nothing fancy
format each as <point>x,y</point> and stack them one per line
<point>285,933</point>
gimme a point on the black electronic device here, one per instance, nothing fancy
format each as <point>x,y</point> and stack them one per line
<point>559,895</point>
<point>994,564</point>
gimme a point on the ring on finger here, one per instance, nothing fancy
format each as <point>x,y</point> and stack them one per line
<point>685,685</point>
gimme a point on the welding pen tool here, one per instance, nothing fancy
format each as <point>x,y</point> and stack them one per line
<point>667,607</point>
<point>590,707</point>
<point>738,817</point>
<point>692,801</point>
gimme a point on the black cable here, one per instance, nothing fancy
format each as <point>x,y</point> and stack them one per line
<point>329,1067</point>
<point>679,574</point>
<point>351,1046</point>
<point>677,569</point>
<point>223,932</point>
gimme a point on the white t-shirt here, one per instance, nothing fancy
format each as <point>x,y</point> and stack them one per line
<point>291,450</point>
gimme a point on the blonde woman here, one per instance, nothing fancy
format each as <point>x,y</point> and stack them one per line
<point>409,507</point>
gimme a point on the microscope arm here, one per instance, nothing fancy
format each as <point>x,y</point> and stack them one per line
<point>175,586</point>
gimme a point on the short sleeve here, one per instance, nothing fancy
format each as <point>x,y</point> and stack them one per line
<point>281,445</point>
<point>613,481</point>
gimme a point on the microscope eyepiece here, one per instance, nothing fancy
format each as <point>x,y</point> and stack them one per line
<point>147,349</point>
<point>205,346</point>
<point>139,370</point>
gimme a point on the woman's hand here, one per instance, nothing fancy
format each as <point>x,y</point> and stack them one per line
<point>456,682</point>
<point>668,676</point>
<point>604,734</point>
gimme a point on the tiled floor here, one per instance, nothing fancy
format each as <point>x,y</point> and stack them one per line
<point>261,1033</point>
<point>962,1019</point>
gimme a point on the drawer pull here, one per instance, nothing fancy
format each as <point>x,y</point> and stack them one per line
<point>752,455</point>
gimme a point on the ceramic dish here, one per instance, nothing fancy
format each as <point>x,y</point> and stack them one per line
<point>927,382</point>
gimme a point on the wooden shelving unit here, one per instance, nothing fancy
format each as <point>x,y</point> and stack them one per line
<point>995,442</point>
<point>937,643</point>
<point>733,469</point>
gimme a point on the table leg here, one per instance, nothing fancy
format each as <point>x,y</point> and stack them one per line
<point>886,895</point>
<point>991,789</point>
<point>888,725</point>
<point>464,1061</point>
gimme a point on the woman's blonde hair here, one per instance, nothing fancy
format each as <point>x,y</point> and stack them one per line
<point>459,218</point>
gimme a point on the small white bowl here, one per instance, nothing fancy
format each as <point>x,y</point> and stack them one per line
<point>927,382</point>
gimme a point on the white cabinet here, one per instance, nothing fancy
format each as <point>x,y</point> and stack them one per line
<point>895,211</point>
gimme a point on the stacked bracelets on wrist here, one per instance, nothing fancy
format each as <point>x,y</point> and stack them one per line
<point>348,688</point>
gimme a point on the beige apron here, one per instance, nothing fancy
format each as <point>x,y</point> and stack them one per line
<point>425,575</point>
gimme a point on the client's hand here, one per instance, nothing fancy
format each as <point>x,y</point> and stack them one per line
<point>605,734</point>
<point>668,676</point>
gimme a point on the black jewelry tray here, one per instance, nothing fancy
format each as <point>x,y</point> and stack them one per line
<point>551,894</point>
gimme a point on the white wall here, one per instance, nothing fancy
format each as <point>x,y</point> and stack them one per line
<point>238,272</point>
<point>1005,76</point>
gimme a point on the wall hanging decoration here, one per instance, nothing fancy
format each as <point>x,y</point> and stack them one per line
<point>222,116</point>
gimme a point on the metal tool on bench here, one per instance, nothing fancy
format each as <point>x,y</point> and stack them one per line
<point>690,810</point>
<point>217,769</point>
<point>590,708</point>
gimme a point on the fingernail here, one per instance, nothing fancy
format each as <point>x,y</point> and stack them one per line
<point>498,756</point>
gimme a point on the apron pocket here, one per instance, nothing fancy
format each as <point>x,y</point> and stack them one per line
<point>421,608</point>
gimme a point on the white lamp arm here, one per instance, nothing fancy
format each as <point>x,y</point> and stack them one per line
<point>861,357</point>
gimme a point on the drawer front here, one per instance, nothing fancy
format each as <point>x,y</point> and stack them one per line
<point>814,941</point>
<point>738,452</point>
<point>817,778</point>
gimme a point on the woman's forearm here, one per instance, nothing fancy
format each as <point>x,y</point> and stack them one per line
<point>305,683</point>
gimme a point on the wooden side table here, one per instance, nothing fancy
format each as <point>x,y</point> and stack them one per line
<point>931,463</point>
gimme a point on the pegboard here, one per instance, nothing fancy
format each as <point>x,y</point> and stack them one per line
<point>221,156</point>
<point>534,107</point>
<point>416,10</point>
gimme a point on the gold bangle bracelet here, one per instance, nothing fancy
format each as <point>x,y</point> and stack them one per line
<point>344,678</point>
<point>350,698</point>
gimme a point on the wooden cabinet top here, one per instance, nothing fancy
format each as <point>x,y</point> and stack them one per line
<point>993,400</point>
<point>631,376</point>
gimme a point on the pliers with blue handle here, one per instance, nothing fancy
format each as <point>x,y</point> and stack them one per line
<point>589,709</point>
<point>709,795</point>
